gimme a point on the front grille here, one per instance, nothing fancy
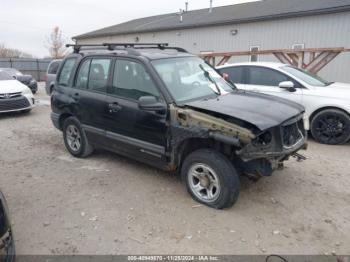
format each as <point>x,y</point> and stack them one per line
<point>292,133</point>
<point>14,103</point>
<point>10,95</point>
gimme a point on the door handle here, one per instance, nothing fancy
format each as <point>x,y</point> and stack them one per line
<point>114,107</point>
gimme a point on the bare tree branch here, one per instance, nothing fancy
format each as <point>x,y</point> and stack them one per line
<point>6,52</point>
<point>56,43</point>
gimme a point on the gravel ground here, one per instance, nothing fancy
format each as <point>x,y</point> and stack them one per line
<point>107,204</point>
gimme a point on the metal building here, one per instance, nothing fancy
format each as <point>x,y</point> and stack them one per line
<point>262,25</point>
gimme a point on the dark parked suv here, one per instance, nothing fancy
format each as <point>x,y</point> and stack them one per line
<point>170,109</point>
<point>7,245</point>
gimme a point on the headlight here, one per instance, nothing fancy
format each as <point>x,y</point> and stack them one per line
<point>27,91</point>
<point>264,139</point>
<point>32,81</point>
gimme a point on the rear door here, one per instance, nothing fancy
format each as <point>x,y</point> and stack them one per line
<point>267,80</point>
<point>90,90</point>
<point>138,133</point>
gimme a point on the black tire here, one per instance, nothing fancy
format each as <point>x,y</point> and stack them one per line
<point>84,149</point>
<point>228,179</point>
<point>51,90</point>
<point>331,126</point>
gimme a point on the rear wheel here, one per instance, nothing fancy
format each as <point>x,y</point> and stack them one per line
<point>75,138</point>
<point>331,127</point>
<point>211,178</point>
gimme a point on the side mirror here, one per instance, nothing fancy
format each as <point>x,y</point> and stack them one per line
<point>150,103</point>
<point>288,85</point>
<point>14,77</point>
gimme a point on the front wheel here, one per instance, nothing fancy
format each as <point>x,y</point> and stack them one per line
<point>211,178</point>
<point>331,127</point>
<point>75,138</point>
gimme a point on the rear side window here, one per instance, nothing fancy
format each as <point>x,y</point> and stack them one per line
<point>83,75</point>
<point>98,74</point>
<point>53,68</point>
<point>236,74</point>
<point>93,74</point>
<point>265,77</point>
<point>131,81</point>
<point>66,72</point>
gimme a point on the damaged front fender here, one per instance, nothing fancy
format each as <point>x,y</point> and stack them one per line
<point>217,128</point>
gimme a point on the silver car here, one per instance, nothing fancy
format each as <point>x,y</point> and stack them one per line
<point>51,75</point>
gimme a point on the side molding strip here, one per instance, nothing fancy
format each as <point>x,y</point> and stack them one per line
<point>144,147</point>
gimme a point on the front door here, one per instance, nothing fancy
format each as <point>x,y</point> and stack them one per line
<point>140,134</point>
<point>266,80</point>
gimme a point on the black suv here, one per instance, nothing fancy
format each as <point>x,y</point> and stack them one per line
<point>170,109</point>
<point>7,245</point>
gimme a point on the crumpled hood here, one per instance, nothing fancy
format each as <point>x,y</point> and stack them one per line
<point>260,110</point>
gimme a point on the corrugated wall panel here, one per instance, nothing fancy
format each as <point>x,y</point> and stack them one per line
<point>332,30</point>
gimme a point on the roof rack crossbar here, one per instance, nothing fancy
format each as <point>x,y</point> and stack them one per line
<point>113,46</point>
<point>78,47</point>
<point>135,44</point>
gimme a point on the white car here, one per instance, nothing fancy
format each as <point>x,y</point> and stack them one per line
<point>14,96</point>
<point>327,104</point>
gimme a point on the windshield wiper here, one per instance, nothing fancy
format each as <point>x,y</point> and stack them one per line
<point>208,76</point>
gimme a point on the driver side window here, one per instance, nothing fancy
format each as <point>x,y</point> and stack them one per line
<point>265,77</point>
<point>131,81</point>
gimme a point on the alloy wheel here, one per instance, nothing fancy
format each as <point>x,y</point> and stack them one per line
<point>204,182</point>
<point>73,137</point>
<point>331,128</point>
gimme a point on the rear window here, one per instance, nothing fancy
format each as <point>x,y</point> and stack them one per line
<point>66,72</point>
<point>53,67</point>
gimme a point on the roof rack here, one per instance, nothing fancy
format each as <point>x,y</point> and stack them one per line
<point>114,46</point>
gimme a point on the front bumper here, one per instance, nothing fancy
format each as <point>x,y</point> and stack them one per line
<point>287,139</point>
<point>22,102</point>
<point>248,153</point>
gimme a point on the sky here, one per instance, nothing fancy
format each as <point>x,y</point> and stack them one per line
<point>26,24</point>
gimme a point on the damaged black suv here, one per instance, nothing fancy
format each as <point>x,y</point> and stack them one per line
<point>170,109</point>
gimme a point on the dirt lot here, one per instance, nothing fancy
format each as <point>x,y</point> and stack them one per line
<point>107,204</point>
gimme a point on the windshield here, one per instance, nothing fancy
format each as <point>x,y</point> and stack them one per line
<point>5,76</point>
<point>12,71</point>
<point>190,78</point>
<point>305,76</point>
